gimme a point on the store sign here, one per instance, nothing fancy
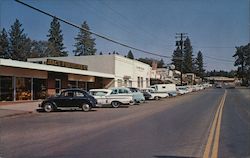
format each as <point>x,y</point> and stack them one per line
<point>66,64</point>
<point>140,68</point>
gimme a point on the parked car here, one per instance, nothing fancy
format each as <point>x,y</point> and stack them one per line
<point>218,85</point>
<point>137,95</point>
<point>155,95</point>
<point>182,90</point>
<point>112,97</point>
<point>146,95</point>
<point>69,98</point>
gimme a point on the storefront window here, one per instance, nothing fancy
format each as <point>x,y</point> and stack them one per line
<point>119,82</point>
<point>141,82</point>
<point>72,84</point>
<point>130,83</point>
<point>6,88</point>
<point>39,88</point>
<point>58,86</point>
<point>23,88</point>
<point>138,82</point>
<point>125,83</point>
<point>82,85</point>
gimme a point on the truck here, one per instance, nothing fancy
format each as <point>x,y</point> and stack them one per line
<point>153,94</point>
<point>165,88</point>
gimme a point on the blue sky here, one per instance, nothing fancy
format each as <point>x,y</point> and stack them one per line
<point>214,26</point>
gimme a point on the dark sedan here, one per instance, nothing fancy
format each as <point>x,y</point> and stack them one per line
<point>69,98</point>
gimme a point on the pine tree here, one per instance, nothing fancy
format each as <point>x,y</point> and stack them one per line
<point>130,55</point>
<point>176,58</point>
<point>85,44</point>
<point>160,63</point>
<point>55,41</point>
<point>242,60</point>
<point>187,57</point>
<point>20,45</point>
<point>199,65</point>
<point>4,45</point>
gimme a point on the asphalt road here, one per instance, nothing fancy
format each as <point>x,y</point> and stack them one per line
<point>175,127</point>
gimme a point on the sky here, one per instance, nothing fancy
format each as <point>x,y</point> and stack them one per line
<point>214,27</point>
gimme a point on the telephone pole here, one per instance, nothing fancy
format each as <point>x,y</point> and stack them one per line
<point>179,43</point>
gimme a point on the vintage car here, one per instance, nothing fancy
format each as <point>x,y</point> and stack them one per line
<point>182,90</point>
<point>113,97</point>
<point>155,95</point>
<point>69,98</point>
<point>137,95</point>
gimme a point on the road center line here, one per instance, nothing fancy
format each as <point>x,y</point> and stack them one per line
<point>214,133</point>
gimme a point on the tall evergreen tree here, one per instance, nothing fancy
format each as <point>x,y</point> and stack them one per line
<point>176,58</point>
<point>160,63</point>
<point>85,44</point>
<point>55,41</point>
<point>130,55</point>
<point>4,44</point>
<point>242,60</point>
<point>20,45</point>
<point>187,57</point>
<point>199,65</point>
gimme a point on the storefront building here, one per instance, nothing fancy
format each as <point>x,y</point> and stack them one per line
<point>127,72</point>
<point>31,81</point>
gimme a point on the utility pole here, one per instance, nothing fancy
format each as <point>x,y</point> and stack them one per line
<point>180,43</point>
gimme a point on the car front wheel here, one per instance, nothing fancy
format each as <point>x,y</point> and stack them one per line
<point>157,98</point>
<point>115,104</point>
<point>86,107</point>
<point>48,107</point>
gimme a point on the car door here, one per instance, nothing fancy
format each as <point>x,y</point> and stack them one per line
<point>79,98</point>
<point>65,99</point>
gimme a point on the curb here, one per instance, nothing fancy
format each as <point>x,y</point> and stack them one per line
<point>17,114</point>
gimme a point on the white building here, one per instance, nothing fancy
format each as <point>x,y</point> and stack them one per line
<point>127,72</point>
<point>164,74</point>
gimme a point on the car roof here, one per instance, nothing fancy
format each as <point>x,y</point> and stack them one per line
<point>73,89</point>
<point>97,90</point>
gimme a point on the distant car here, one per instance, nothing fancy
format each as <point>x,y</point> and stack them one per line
<point>182,90</point>
<point>218,85</point>
<point>113,97</point>
<point>154,94</point>
<point>69,98</point>
<point>137,95</point>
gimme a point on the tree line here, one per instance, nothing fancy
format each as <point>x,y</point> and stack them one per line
<point>185,62</point>
<point>15,44</point>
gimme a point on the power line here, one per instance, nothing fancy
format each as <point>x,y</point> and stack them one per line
<point>219,59</point>
<point>94,33</point>
<point>129,21</point>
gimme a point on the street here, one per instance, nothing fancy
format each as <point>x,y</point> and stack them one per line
<point>172,127</point>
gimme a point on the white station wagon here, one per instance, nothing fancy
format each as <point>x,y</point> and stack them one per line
<point>111,97</point>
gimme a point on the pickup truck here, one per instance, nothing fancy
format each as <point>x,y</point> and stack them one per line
<point>111,97</point>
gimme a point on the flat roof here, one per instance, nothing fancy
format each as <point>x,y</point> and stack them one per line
<point>43,67</point>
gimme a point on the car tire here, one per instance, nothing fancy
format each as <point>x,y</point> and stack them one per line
<point>157,98</point>
<point>131,103</point>
<point>48,107</point>
<point>86,107</point>
<point>142,101</point>
<point>115,104</point>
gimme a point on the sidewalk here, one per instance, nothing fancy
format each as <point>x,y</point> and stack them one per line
<point>18,108</point>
